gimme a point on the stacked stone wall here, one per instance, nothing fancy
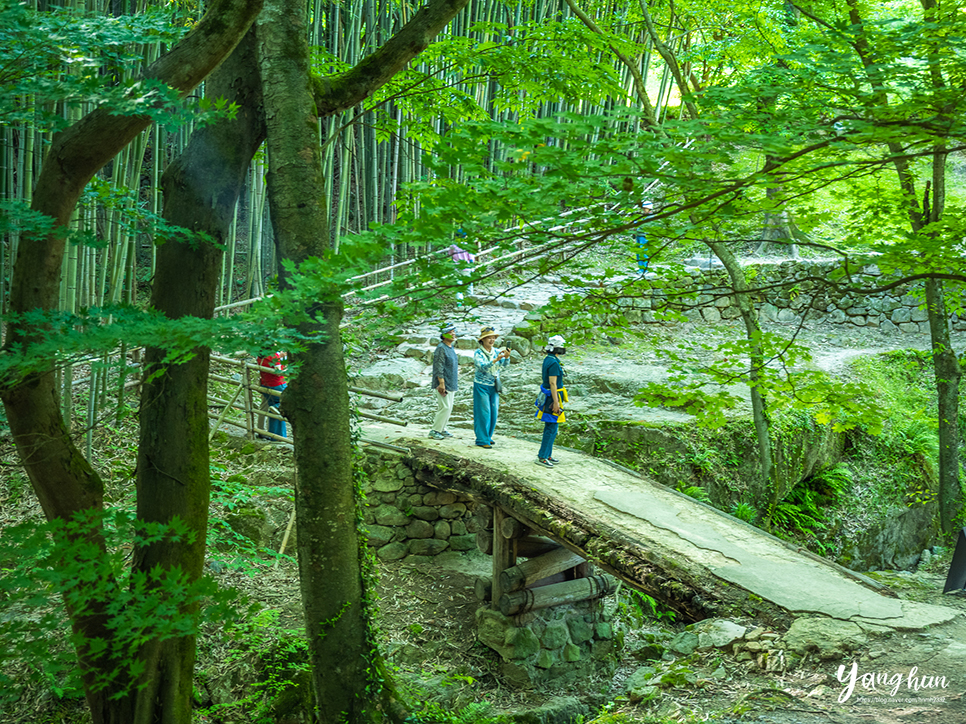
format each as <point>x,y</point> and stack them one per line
<point>562,643</point>
<point>790,292</point>
<point>407,519</point>
<point>404,517</point>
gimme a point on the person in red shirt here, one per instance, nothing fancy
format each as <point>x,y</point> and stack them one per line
<point>274,381</point>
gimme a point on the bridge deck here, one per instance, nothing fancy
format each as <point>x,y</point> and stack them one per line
<point>689,555</point>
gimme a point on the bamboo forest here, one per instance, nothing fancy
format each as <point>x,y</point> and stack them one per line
<point>558,362</point>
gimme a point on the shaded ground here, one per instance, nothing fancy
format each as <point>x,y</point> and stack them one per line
<point>427,612</point>
<point>427,620</point>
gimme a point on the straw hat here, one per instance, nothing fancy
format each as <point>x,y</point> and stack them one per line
<point>487,332</point>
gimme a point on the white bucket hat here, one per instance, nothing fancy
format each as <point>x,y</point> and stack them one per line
<point>554,342</point>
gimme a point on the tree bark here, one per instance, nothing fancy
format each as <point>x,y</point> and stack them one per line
<point>945,359</point>
<point>756,361</point>
<point>63,480</point>
<point>334,592</point>
<point>347,670</point>
<point>948,374</point>
<point>334,94</point>
<point>672,62</point>
<point>779,230</point>
<point>201,188</point>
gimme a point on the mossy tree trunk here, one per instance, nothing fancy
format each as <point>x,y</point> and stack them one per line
<point>64,481</point>
<point>348,680</point>
<point>317,399</point>
<point>174,477</point>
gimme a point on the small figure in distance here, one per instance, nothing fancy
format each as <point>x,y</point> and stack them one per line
<point>486,398</point>
<point>444,381</point>
<point>641,239</point>
<point>464,261</point>
<point>553,395</point>
<point>273,381</point>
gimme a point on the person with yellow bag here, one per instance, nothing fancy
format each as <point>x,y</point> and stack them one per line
<point>550,401</point>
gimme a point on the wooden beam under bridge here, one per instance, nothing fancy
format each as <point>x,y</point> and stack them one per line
<point>683,588</point>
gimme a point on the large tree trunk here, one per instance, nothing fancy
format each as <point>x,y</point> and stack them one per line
<point>200,191</point>
<point>63,480</point>
<point>349,682</point>
<point>334,592</point>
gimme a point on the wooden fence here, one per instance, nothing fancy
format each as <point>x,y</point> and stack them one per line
<point>234,394</point>
<point>234,388</point>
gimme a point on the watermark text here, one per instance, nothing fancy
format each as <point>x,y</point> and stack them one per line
<point>888,683</point>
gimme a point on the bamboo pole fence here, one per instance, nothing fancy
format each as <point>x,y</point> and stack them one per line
<point>235,397</point>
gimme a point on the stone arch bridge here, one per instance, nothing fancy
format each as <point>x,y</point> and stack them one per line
<point>693,558</point>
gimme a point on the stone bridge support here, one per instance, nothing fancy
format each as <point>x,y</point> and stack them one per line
<point>541,608</point>
<point>543,615</point>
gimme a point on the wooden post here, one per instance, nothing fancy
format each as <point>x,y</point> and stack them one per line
<point>484,541</point>
<point>483,516</point>
<point>504,554</point>
<point>512,528</point>
<point>224,410</point>
<point>483,589</point>
<point>249,404</point>
<point>532,599</point>
<point>529,572</point>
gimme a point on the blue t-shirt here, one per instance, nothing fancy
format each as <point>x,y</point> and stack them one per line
<point>552,368</point>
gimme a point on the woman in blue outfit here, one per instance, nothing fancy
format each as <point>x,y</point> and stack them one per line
<point>486,400</point>
<point>551,386</point>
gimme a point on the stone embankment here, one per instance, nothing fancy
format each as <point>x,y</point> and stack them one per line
<point>794,291</point>
<point>406,518</point>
